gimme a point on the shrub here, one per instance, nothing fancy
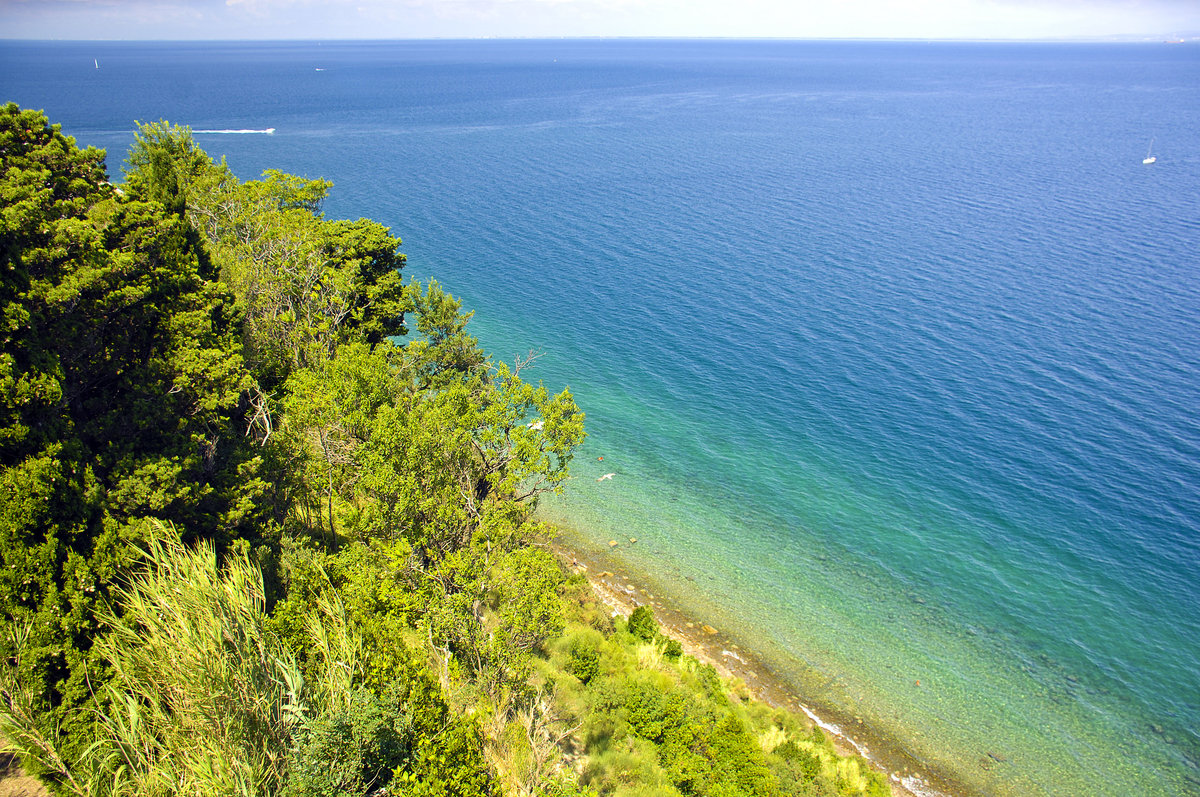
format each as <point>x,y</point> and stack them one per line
<point>642,625</point>
<point>448,765</point>
<point>583,659</point>
<point>526,596</point>
<point>350,751</point>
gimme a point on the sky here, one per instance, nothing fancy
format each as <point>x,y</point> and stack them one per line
<point>409,19</point>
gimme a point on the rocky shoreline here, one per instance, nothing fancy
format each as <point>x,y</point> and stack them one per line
<point>622,593</point>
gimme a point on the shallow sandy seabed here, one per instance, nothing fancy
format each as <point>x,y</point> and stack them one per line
<point>708,644</point>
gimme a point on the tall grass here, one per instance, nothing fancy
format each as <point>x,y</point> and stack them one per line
<point>203,697</point>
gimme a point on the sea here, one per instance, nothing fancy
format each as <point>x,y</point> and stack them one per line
<point>892,349</point>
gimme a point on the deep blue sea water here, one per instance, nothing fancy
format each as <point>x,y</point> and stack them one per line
<point>893,348</point>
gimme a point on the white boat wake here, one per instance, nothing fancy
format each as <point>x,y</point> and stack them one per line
<point>270,131</point>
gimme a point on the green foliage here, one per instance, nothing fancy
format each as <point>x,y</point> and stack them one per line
<point>205,699</point>
<point>122,398</point>
<point>330,411</point>
<point>357,597</point>
<point>473,454</point>
<point>449,765</point>
<point>350,750</point>
<point>642,624</point>
<point>344,617</point>
<point>166,166</point>
<point>445,352</point>
<point>375,585</point>
<point>306,284</point>
<point>563,784</point>
<point>583,658</point>
<point>526,583</point>
<point>701,749</point>
<point>202,698</point>
<point>652,723</point>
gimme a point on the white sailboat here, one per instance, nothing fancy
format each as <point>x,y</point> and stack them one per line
<point>1149,158</point>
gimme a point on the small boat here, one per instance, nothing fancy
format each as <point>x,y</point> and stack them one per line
<point>96,61</point>
<point>1149,158</point>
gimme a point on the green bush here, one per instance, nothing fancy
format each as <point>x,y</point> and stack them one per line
<point>627,765</point>
<point>526,591</point>
<point>642,625</point>
<point>448,765</point>
<point>802,764</point>
<point>350,751</point>
<point>563,784</point>
<point>583,659</point>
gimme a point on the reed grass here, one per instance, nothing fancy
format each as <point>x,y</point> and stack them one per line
<point>203,697</point>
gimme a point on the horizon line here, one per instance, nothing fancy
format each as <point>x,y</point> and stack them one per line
<point>1114,38</point>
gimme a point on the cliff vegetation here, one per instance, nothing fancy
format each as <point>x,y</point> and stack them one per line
<point>266,519</point>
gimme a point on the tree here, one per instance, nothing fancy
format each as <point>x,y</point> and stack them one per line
<point>123,397</point>
<point>440,442</point>
<point>197,351</point>
<point>526,587</point>
<point>306,284</point>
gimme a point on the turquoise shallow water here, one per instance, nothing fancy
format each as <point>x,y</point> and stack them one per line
<point>892,348</point>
